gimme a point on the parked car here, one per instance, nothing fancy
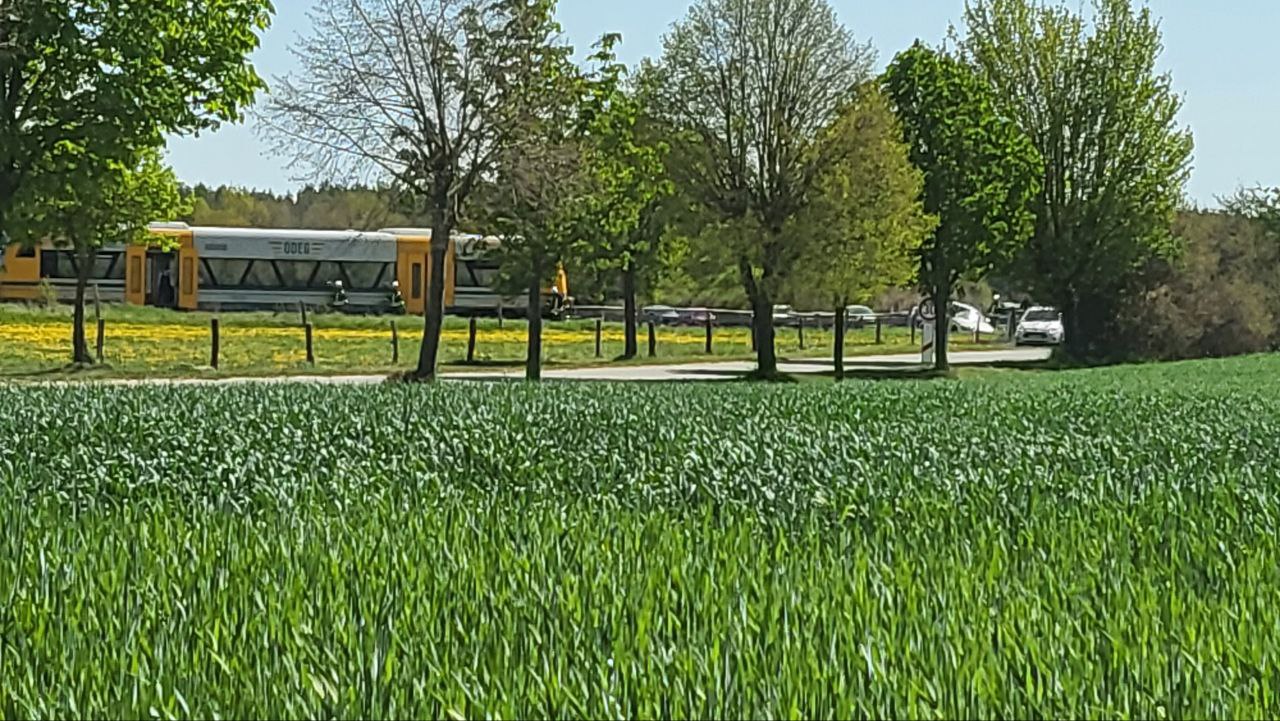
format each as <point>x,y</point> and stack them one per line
<point>659,315</point>
<point>859,316</point>
<point>784,315</point>
<point>695,316</point>
<point>1039,326</point>
<point>964,318</point>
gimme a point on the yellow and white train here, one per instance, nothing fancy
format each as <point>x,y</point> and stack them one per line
<point>207,268</point>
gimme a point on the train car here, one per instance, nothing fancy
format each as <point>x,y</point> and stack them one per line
<point>208,268</point>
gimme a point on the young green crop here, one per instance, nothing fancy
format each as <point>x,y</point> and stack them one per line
<point>1099,544</point>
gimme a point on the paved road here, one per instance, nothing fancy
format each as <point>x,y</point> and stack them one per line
<point>709,371</point>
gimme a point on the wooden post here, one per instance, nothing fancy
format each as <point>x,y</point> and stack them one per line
<point>215,338</point>
<point>708,334</point>
<point>879,331</point>
<point>800,331</point>
<point>395,344</point>
<point>102,334</point>
<point>311,350</point>
<point>977,330</point>
<point>1013,326</point>
<point>471,340</point>
<point>501,314</point>
<point>653,341</point>
<point>302,309</point>
<point>599,330</point>
<point>912,322</point>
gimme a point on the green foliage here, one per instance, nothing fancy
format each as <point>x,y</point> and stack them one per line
<point>1086,89</point>
<point>746,89</point>
<point>675,552</point>
<point>1219,297</point>
<point>980,170</point>
<point>108,78</point>
<point>861,232</point>
<point>1260,204</point>
<point>326,207</point>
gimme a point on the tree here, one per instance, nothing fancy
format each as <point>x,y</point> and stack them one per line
<point>86,202</point>
<point>980,172</point>
<point>748,86</point>
<point>1260,204</point>
<point>1087,93</point>
<point>624,215</point>
<point>422,93</point>
<point>861,233</point>
<point>108,78</point>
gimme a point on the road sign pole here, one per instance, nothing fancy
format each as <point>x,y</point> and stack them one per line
<point>928,350</point>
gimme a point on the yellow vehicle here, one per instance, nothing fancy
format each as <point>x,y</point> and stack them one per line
<point>207,268</point>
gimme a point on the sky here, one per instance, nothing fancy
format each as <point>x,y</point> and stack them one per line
<point>1222,55</point>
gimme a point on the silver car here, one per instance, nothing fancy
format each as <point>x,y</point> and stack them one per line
<point>1040,326</point>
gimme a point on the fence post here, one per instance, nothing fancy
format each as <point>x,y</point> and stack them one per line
<point>395,344</point>
<point>1012,326</point>
<point>501,315</point>
<point>709,334</point>
<point>653,341</point>
<point>879,331</point>
<point>912,322</point>
<point>216,342</point>
<point>471,340</point>
<point>311,350</point>
<point>977,330</point>
<point>599,329</point>
<point>800,330</point>
<point>302,310</point>
<point>102,333</point>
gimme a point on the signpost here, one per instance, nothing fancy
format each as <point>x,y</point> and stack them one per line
<point>929,336</point>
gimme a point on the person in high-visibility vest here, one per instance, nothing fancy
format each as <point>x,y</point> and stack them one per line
<point>395,302</point>
<point>339,301</point>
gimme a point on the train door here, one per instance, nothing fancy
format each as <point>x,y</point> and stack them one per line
<point>162,276</point>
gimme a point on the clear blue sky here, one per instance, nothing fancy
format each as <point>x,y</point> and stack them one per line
<point>1222,56</point>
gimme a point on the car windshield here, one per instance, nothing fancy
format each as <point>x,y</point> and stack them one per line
<point>861,310</point>
<point>1041,316</point>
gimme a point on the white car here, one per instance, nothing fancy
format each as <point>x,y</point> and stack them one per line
<point>1039,326</point>
<point>968,319</point>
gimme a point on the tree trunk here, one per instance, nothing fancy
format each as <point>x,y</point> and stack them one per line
<point>79,344</point>
<point>629,311</point>
<point>761,320</point>
<point>837,356</point>
<point>434,312</point>
<point>766,355</point>
<point>533,361</point>
<point>942,331</point>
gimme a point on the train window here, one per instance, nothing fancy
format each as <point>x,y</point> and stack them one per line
<point>367,276</point>
<point>297,274</point>
<point>109,265</point>
<point>415,280</point>
<point>259,275</point>
<point>25,252</point>
<point>221,272</point>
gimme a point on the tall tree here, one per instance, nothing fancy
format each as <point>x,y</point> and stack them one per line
<point>624,214</point>
<point>748,86</point>
<point>419,92</point>
<point>106,78</point>
<point>861,233</point>
<point>980,171</point>
<point>87,202</point>
<point>1086,90</point>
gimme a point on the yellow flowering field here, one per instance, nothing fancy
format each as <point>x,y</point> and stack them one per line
<point>148,341</point>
